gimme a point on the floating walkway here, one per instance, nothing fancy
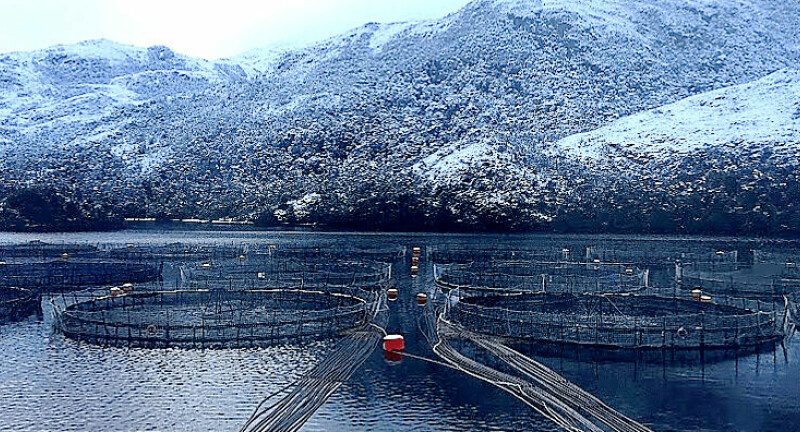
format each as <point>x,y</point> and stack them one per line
<point>567,405</point>
<point>303,398</point>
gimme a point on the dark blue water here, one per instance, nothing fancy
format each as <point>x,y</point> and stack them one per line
<point>48,383</point>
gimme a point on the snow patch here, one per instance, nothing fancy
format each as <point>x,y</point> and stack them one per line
<point>386,32</point>
<point>757,112</point>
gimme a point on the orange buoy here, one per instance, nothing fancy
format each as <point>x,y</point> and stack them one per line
<point>422,298</point>
<point>391,293</point>
<point>393,342</point>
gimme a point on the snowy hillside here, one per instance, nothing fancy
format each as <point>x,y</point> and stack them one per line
<point>765,112</point>
<point>482,119</point>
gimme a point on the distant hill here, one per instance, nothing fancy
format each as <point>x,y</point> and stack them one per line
<point>670,116</point>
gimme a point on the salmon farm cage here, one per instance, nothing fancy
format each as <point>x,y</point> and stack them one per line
<point>468,256</point>
<point>543,276</point>
<point>569,250</point>
<point>764,281</point>
<point>42,250</point>
<point>287,273</point>
<point>176,252</point>
<point>655,254</point>
<point>212,318</point>
<point>196,252</point>
<point>788,263</point>
<point>620,321</point>
<point>56,275</point>
<point>326,253</point>
<point>17,303</point>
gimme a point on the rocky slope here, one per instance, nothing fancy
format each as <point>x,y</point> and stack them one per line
<point>498,116</point>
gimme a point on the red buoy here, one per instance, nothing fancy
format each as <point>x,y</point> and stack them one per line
<point>391,293</point>
<point>392,356</point>
<point>422,298</point>
<point>394,342</point>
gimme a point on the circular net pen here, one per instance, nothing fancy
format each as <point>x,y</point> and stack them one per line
<point>325,253</point>
<point>619,321</point>
<point>272,274</point>
<point>654,253</point>
<point>543,277</point>
<point>467,256</point>
<point>17,303</point>
<point>213,318</point>
<point>42,250</point>
<point>788,262</point>
<point>765,281</point>
<point>177,252</point>
<point>72,274</point>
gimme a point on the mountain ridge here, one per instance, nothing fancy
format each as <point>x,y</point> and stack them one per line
<point>459,121</point>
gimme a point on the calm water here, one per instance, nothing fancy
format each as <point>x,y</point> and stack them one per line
<point>48,383</point>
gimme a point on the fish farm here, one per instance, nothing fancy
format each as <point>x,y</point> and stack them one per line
<point>40,249</point>
<point>543,276</point>
<point>238,274</point>
<point>54,275</point>
<point>620,320</point>
<point>212,318</point>
<point>16,303</point>
<point>445,309</point>
<point>760,280</point>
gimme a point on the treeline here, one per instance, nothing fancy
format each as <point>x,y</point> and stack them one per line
<point>46,210</point>
<point>728,209</point>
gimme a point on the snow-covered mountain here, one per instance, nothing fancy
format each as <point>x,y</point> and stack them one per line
<point>573,114</point>
<point>764,113</point>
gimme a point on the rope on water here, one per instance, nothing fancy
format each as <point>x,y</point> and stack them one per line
<point>312,391</point>
<point>548,393</point>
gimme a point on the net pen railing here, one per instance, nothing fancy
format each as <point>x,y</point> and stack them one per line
<point>263,275</point>
<point>42,250</point>
<point>560,277</point>
<point>672,325</point>
<point>16,303</point>
<point>658,253</point>
<point>67,274</point>
<point>762,281</point>
<point>212,318</point>
<point>328,252</point>
<point>466,256</point>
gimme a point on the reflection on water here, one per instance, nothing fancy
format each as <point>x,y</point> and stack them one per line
<point>49,383</point>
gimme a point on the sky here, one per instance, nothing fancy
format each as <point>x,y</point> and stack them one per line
<point>200,28</point>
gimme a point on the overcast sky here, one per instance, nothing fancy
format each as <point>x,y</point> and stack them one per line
<point>201,28</point>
